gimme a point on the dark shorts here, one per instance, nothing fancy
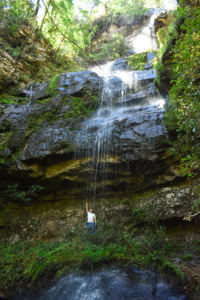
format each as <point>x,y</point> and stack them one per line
<point>91,226</point>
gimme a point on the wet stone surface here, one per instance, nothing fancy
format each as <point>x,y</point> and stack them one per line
<point>114,284</point>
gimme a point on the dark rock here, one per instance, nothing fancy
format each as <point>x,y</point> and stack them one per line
<point>14,118</point>
<point>150,56</point>
<point>5,153</point>
<point>16,140</point>
<point>106,113</point>
<point>120,65</point>
<point>39,91</point>
<point>144,76</point>
<point>132,98</point>
<point>75,83</point>
<point>148,66</point>
<point>151,89</point>
<point>130,52</point>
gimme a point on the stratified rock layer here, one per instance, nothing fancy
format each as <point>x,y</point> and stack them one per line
<point>115,153</point>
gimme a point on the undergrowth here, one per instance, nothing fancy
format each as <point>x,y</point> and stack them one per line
<point>26,261</point>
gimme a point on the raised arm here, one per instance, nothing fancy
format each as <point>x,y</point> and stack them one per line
<point>87,207</point>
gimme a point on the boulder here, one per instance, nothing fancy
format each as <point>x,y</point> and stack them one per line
<point>76,83</point>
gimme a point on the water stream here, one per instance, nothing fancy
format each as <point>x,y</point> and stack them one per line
<point>128,99</point>
<point>126,95</point>
<point>113,284</point>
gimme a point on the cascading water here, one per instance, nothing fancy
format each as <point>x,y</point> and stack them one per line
<point>126,94</point>
<point>130,105</point>
<point>120,95</point>
<point>114,284</point>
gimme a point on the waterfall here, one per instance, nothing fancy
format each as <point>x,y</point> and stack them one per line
<point>112,285</point>
<point>108,141</point>
<point>98,143</point>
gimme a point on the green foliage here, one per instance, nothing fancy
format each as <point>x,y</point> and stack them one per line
<point>2,161</point>
<point>82,107</point>
<point>173,247</point>
<point>25,261</point>
<point>195,208</point>
<point>183,110</point>
<point>15,192</point>
<point>114,48</point>
<point>187,257</point>
<point>13,51</point>
<point>162,35</point>
<point>128,8</point>
<point>168,266</point>
<point>52,84</point>
<point>137,61</point>
<point>169,247</point>
<point>8,99</point>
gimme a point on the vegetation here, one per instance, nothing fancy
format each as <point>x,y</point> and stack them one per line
<point>114,48</point>
<point>15,192</point>
<point>65,28</point>
<point>138,61</point>
<point>181,53</point>
<point>8,99</point>
<point>27,260</point>
<point>183,109</point>
<point>187,257</point>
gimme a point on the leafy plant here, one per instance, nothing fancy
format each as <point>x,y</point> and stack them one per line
<point>13,51</point>
<point>187,257</point>
<point>183,109</point>
<point>15,192</point>
<point>114,48</point>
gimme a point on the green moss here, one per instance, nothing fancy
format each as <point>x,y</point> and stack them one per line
<point>8,99</point>
<point>138,61</point>
<point>82,107</point>
<point>54,93</point>
<point>173,247</point>
<point>162,35</point>
<point>52,84</point>
<point>168,266</point>
<point>187,257</point>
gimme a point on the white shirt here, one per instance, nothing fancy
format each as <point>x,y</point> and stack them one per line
<point>91,217</point>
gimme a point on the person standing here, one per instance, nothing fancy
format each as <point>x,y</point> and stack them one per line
<point>91,218</point>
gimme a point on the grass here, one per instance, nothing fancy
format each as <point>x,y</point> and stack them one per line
<point>26,261</point>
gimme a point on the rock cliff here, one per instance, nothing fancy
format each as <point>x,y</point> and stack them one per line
<point>96,136</point>
<point>57,138</point>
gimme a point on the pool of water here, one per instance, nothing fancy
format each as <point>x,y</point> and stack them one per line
<point>114,284</point>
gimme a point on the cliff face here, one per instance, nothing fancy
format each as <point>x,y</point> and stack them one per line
<point>87,137</point>
<point>110,26</point>
<point>106,158</point>
<point>24,57</point>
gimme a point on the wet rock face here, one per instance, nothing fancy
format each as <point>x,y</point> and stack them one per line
<point>164,85</point>
<point>50,220</point>
<point>130,99</point>
<point>78,84</point>
<point>125,129</point>
<point>109,27</point>
<point>117,151</point>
